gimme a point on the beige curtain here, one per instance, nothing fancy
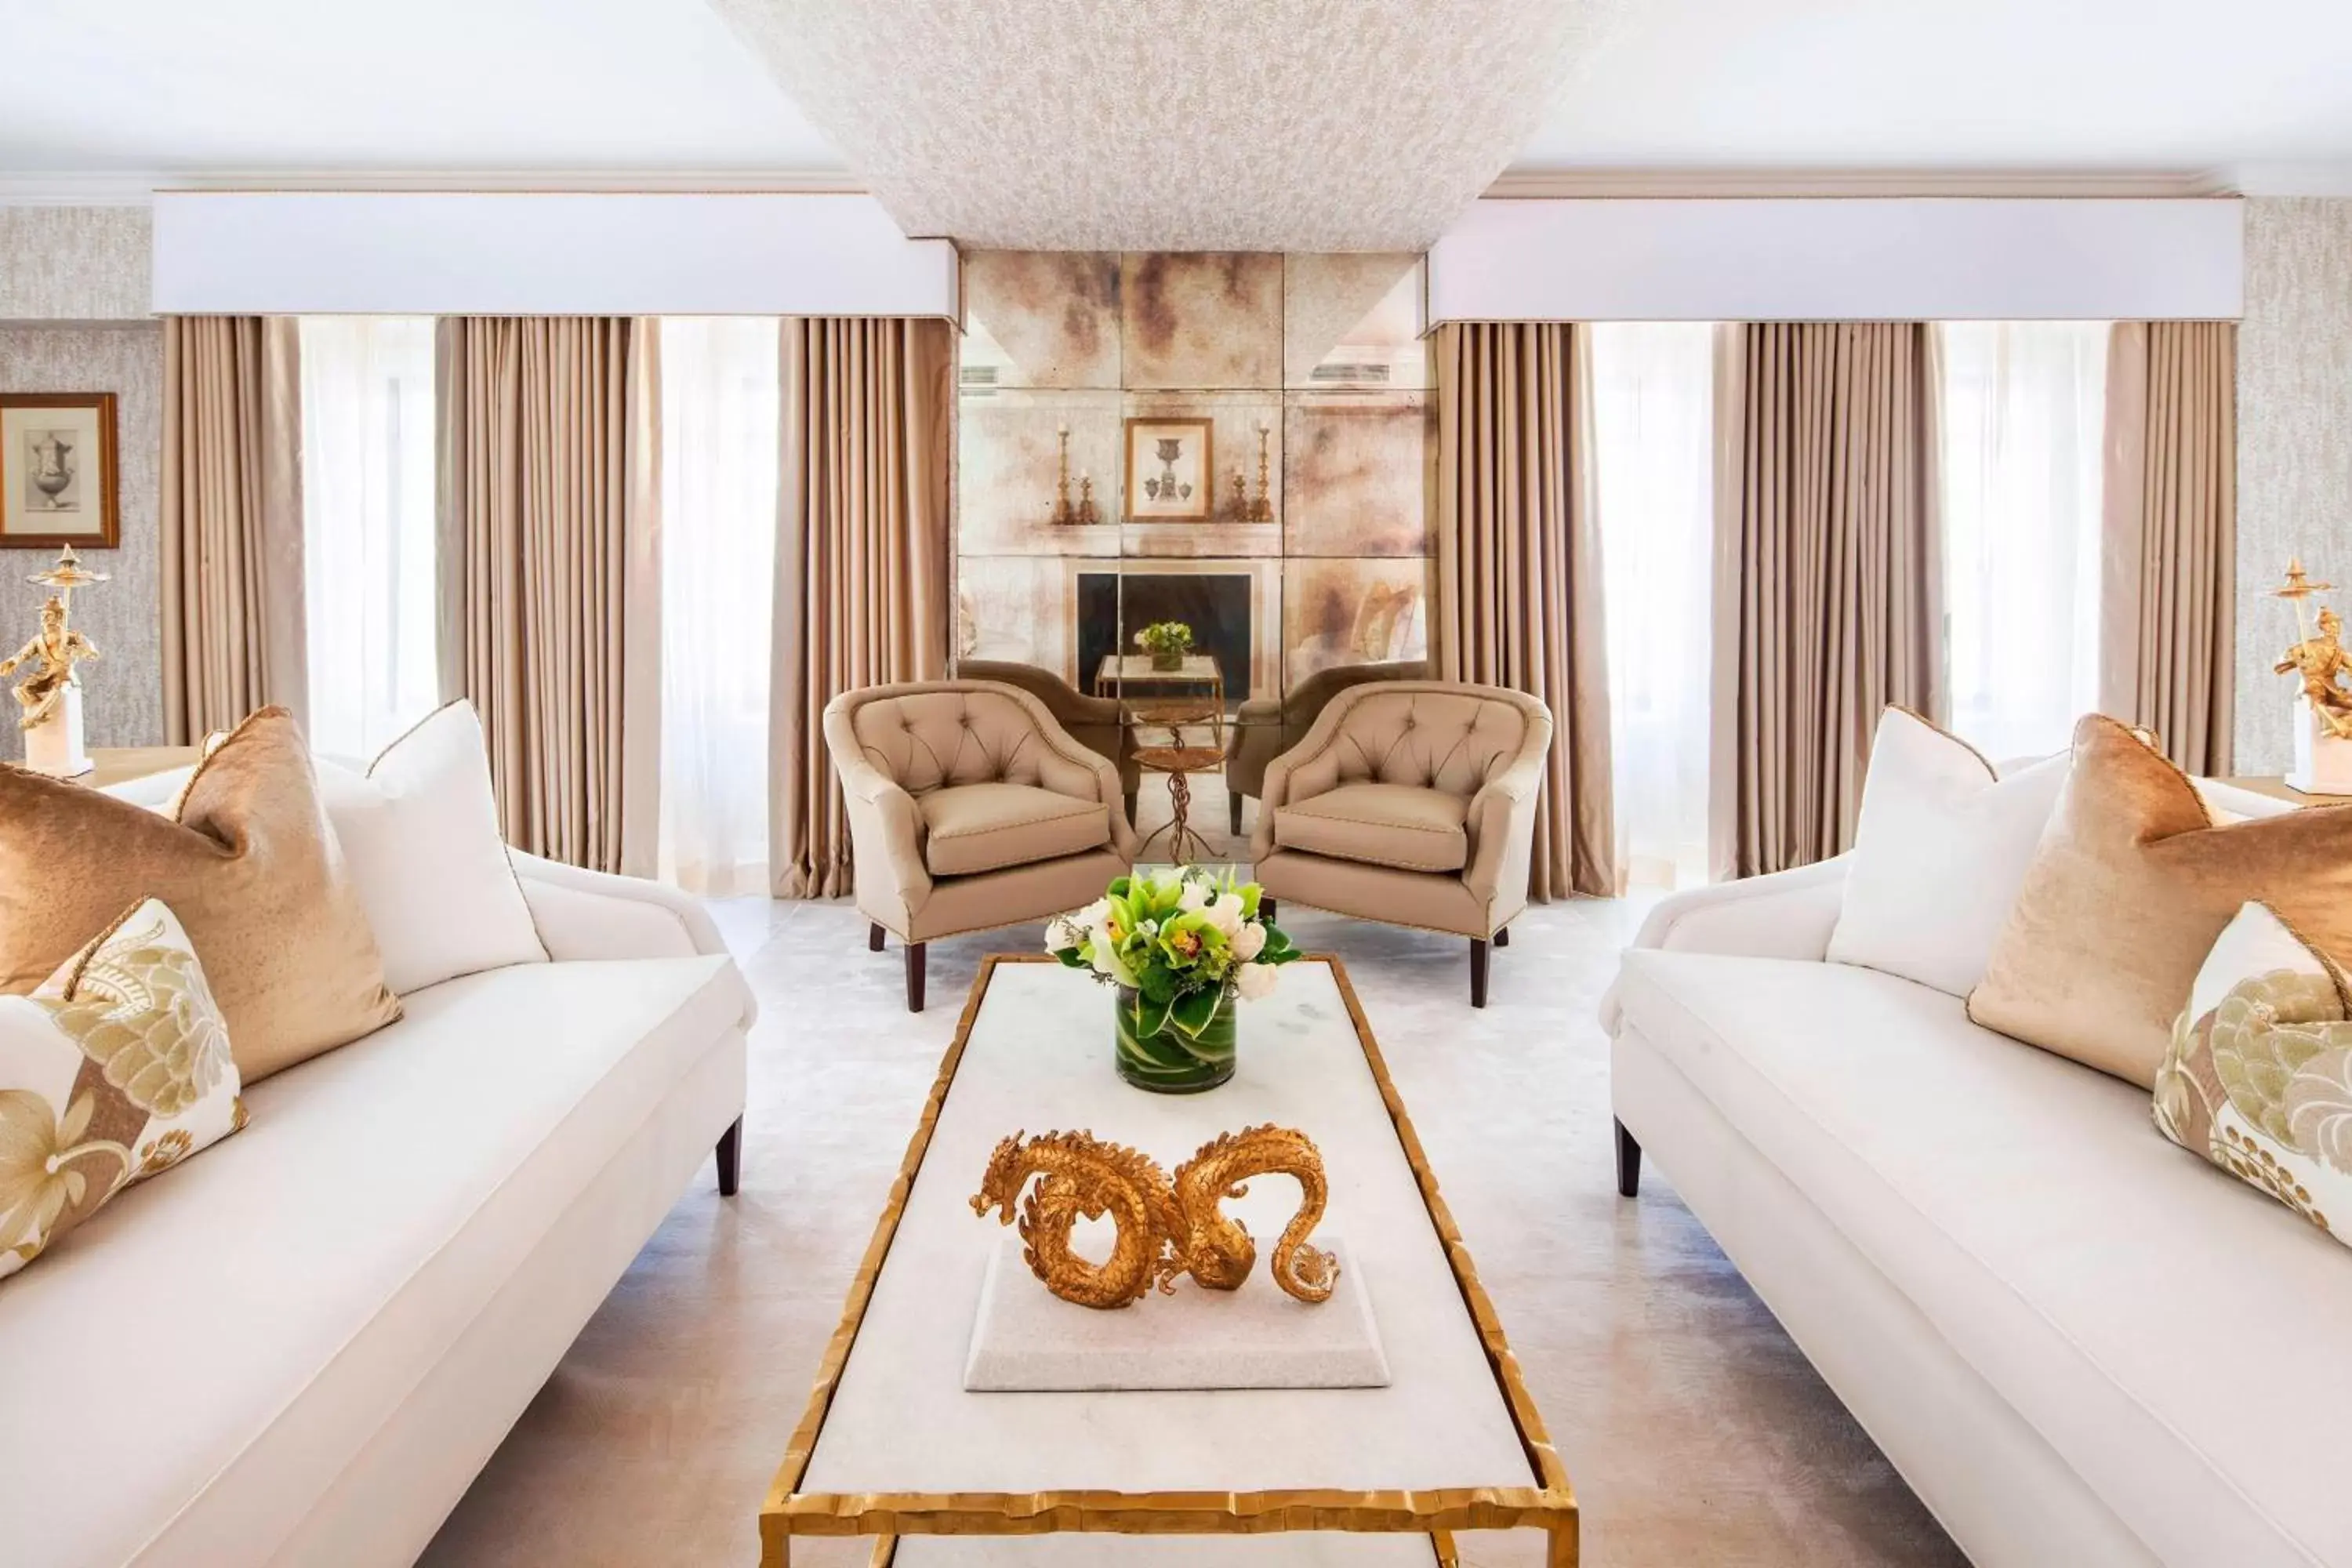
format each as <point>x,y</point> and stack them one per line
<point>2169,557</point>
<point>1519,568</point>
<point>550,591</point>
<point>861,559</point>
<point>234,638</point>
<point>1828,601</point>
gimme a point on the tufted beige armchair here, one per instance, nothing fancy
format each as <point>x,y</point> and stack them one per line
<point>1098,723</point>
<point>1412,802</point>
<point>1266,727</point>
<point>970,808</point>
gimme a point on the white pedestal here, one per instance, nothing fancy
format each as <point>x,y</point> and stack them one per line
<point>2323,762</point>
<point>1025,1337</point>
<point>54,746</point>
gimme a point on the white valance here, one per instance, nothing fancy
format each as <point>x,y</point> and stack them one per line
<point>543,254</point>
<point>1940,259</point>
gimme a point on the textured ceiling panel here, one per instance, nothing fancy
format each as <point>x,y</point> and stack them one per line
<point>1109,125</point>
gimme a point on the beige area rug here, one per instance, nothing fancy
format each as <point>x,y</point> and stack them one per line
<point>1693,1429</point>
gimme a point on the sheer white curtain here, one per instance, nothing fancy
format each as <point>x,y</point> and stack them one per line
<point>2024,411</point>
<point>1654,462</point>
<point>721,428</point>
<point>368,528</point>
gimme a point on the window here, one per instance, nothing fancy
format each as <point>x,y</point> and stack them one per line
<point>722,435</point>
<point>2024,415</point>
<point>368,529</point>
<point>1653,419</point>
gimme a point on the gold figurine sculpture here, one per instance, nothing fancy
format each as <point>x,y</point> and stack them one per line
<point>2318,659</point>
<point>55,650</point>
<point>1165,1226</point>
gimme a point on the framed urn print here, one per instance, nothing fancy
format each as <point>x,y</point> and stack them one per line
<point>57,483</point>
<point>1169,465</point>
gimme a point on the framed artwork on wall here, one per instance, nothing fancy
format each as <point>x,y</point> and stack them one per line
<point>58,474</point>
<point>1169,469</point>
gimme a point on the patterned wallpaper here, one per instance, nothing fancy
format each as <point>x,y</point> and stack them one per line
<point>122,694</point>
<point>1322,353</point>
<point>75,264</point>
<point>2294,444</point>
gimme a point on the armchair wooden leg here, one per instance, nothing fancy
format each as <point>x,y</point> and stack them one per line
<point>1266,912</point>
<point>1477,972</point>
<point>1130,798</point>
<point>1503,937</point>
<point>731,1159</point>
<point>915,976</point>
<point>1629,1162</point>
<point>1233,810</point>
<point>873,937</point>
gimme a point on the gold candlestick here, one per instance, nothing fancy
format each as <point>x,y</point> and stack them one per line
<point>1087,516</point>
<point>1063,515</point>
<point>1260,508</point>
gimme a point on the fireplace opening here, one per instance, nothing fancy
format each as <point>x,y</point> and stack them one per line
<point>1114,605</point>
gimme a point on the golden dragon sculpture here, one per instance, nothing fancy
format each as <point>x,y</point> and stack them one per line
<point>1165,1226</point>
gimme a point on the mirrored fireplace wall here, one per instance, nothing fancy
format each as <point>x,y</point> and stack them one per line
<point>1240,444</point>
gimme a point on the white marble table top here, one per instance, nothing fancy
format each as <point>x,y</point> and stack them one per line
<point>1038,1056</point>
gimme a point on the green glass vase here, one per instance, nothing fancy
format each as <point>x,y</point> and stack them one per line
<point>1171,1061</point>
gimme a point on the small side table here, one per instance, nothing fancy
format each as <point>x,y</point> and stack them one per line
<point>1185,846</point>
<point>2277,788</point>
<point>120,765</point>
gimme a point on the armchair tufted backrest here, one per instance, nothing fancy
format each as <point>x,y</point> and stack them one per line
<point>950,732</point>
<point>1428,734</point>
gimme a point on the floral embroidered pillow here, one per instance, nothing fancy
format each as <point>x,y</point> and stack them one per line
<point>2258,1076</point>
<point>116,1068</point>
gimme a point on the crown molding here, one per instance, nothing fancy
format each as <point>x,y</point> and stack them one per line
<point>21,189</point>
<point>1530,185</point>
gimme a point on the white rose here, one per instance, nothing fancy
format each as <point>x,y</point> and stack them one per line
<point>1255,980</point>
<point>1249,941</point>
<point>1093,915</point>
<point>1194,897</point>
<point>1225,915</point>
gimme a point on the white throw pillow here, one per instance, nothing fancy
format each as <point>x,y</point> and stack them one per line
<point>1939,854</point>
<point>419,829</point>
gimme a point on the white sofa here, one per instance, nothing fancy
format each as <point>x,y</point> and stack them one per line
<point>2079,1344</point>
<point>302,1346</point>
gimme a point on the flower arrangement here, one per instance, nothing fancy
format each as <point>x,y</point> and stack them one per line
<point>1180,945</point>
<point>1166,642</point>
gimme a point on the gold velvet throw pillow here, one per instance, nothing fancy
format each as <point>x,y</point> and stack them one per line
<point>247,864</point>
<point>2130,886</point>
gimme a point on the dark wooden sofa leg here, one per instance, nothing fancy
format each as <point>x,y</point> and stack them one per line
<point>915,977</point>
<point>873,937</point>
<point>1503,937</point>
<point>1234,811</point>
<point>731,1159</point>
<point>1477,972</point>
<point>1629,1162</point>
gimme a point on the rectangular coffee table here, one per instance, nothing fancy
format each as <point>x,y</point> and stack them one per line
<point>893,1447</point>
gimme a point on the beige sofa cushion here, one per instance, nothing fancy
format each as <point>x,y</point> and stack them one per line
<point>2128,889</point>
<point>1379,825</point>
<point>250,867</point>
<point>2077,1261</point>
<point>982,826</point>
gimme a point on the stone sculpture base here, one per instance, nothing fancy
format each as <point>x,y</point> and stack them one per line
<point>2323,762</point>
<point>1256,1337</point>
<point>54,746</point>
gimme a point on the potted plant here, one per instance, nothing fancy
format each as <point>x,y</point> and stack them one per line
<point>1181,948</point>
<point>1166,642</point>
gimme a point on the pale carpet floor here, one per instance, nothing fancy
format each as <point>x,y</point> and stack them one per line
<point>1693,1429</point>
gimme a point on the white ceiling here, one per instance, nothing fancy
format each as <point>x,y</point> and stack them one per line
<point>263,86</point>
<point>2083,85</point>
<point>651,92</point>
